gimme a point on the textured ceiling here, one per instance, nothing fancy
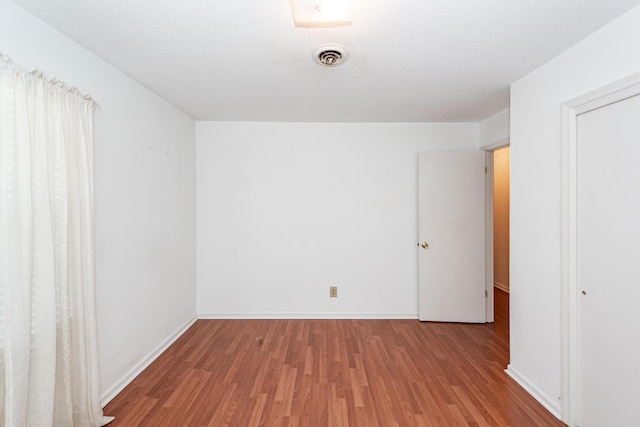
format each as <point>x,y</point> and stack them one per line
<point>410,60</point>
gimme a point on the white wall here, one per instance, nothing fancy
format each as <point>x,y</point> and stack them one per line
<point>287,209</point>
<point>606,56</point>
<point>144,196</point>
<point>494,131</point>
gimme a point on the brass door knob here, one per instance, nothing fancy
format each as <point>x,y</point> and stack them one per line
<point>424,245</point>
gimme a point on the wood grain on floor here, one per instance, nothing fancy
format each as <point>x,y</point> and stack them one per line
<point>330,373</point>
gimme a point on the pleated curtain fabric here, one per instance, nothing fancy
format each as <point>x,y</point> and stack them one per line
<point>48,347</point>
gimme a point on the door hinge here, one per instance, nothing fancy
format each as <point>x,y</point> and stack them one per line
<point>486,294</point>
<point>485,169</point>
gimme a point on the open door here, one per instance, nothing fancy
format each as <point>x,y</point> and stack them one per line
<point>451,233</point>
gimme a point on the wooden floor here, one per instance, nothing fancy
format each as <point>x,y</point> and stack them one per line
<point>501,313</point>
<point>330,373</point>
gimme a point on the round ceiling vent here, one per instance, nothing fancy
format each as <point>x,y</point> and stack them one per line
<point>330,55</point>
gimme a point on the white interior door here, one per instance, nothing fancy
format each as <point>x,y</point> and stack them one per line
<point>451,215</point>
<point>608,265</point>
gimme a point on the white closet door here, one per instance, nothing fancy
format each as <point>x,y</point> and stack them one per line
<point>608,269</point>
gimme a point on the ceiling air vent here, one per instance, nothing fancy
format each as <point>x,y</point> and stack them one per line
<point>330,55</point>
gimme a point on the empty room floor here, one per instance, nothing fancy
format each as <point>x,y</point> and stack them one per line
<point>330,373</point>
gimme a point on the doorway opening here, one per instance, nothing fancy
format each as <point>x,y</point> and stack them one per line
<point>501,185</point>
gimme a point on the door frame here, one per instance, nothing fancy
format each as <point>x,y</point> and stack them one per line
<point>614,92</point>
<point>490,303</point>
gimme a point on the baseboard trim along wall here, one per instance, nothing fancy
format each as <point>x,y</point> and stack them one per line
<point>322,315</point>
<point>501,286</point>
<point>108,395</point>
<point>552,405</point>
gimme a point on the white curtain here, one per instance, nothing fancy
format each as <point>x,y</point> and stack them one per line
<point>48,347</point>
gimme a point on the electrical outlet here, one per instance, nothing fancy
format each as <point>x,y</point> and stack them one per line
<point>333,292</point>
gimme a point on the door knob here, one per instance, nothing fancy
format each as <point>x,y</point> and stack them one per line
<point>424,245</point>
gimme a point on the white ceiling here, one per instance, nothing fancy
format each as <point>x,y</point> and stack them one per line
<point>410,60</point>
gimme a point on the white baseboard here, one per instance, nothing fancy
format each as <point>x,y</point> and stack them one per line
<point>321,315</point>
<point>112,392</point>
<point>501,286</point>
<point>552,405</point>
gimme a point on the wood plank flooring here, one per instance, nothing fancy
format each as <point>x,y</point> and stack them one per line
<point>501,313</point>
<point>329,373</point>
